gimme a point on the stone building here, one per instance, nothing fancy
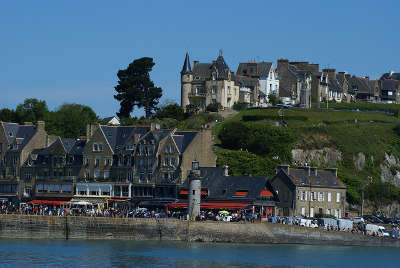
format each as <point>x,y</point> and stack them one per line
<point>295,82</point>
<point>208,83</point>
<point>265,76</point>
<point>307,191</point>
<point>16,144</point>
<point>50,173</point>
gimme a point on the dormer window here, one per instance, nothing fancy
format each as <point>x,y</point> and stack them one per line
<point>10,134</point>
<point>129,147</point>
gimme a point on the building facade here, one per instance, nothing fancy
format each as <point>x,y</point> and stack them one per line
<point>208,83</point>
<point>308,191</point>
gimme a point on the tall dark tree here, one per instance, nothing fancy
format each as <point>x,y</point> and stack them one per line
<point>8,115</point>
<point>135,88</point>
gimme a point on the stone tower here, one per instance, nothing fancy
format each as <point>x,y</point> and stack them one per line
<point>186,82</point>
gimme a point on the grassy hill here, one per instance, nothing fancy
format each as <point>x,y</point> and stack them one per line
<point>350,132</point>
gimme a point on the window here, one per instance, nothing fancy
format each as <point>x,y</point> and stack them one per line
<point>106,174</point>
<point>321,197</point>
<point>390,93</point>
<point>141,177</point>
<point>172,162</point>
<point>93,192</point>
<point>312,196</point>
<point>28,190</point>
<point>149,163</point>
<point>54,188</point>
<point>311,212</point>
<point>95,147</point>
<point>125,190</point>
<point>141,163</point>
<point>87,160</point>
<point>129,147</point>
<point>107,161</point>
<point>337,197</point>
<point>130,176</point>
<point>214,90</point>
<point>42,188</point>
<point>329,197</point>
<point>28,176</point>
<point>82,192</point>
<point>87,174</point>
<point>328,211</point>
<point>229,90</point>
<point>66,188</point>
<point>166,162</point>
<point>97,162</point>
<point>96,174</point>
<point>149,176</point>
<point>303,211</point>
<point>117,190</point>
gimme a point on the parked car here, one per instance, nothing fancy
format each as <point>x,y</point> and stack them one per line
<point>345,224</point>
<point>357,220</point>
<point>372,219</point>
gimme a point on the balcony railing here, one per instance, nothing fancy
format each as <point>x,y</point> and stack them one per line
<point>197,94</point>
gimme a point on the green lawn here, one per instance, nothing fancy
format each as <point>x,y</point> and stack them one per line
<point>350,132</point>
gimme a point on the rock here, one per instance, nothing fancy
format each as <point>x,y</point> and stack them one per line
<point>323,157</point>
<point>390,170</point>
<point>359,161</point>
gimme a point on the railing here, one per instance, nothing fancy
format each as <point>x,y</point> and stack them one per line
<point>198,94</point>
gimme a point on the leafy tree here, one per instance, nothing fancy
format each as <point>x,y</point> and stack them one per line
<point>8,115</point>
<point>271,141</point>
<point>234,135</point>
<point>273,99</point>
<point>173,111</point>
<point>214,107</point>
<point>135,88</point>
<point>246,163</point>
<point>32,110</point>
<point>70,120</point>
<point>191,109</point>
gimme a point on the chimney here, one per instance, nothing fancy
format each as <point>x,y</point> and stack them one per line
<point>283,64</point>
<point>226,171</point>
<point>40,125</point>
<point>333,170</point>
<point>154,126</point>
<point>314,67</point>
<point>91,128</point>
<point>28,124</point>
<point>195,62</point>
<point>331,73</point>
<point>285,168</point>
<point>367,78</point>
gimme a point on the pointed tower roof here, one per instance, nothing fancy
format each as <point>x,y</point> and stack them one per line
<point>186,66</point>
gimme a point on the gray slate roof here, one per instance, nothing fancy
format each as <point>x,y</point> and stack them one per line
<point>117,135</point>
<point>395,76</point>
<point>183,139</point>
<point>324,178</point>
<point>21,133</point>
<point>202,70</point>
<point>261,69</point>
<point>186,65</point>
<point>224,187</point>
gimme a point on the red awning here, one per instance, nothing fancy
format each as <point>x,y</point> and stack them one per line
<point>241,193</point>
<point>47,202</point>
<point>186,192</point>
<point>117,200</point>
<point>211,205</point>
<point>266,193</point>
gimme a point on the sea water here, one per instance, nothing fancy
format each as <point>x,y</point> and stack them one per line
<point>111,253</point>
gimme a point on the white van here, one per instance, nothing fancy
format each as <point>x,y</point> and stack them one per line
<point>372,229</point>
<point>307,223</point>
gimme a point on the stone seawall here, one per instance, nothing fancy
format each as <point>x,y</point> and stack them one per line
<point>47,227</point>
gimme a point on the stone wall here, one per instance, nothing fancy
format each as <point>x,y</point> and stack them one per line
<point>47,227</point>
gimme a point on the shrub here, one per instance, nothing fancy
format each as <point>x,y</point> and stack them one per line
<point>214,107</point>
<point>174,111</point>
<point>239,106</point>
<point>234,135</point>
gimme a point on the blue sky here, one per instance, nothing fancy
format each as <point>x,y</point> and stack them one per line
<point>70,51</point>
